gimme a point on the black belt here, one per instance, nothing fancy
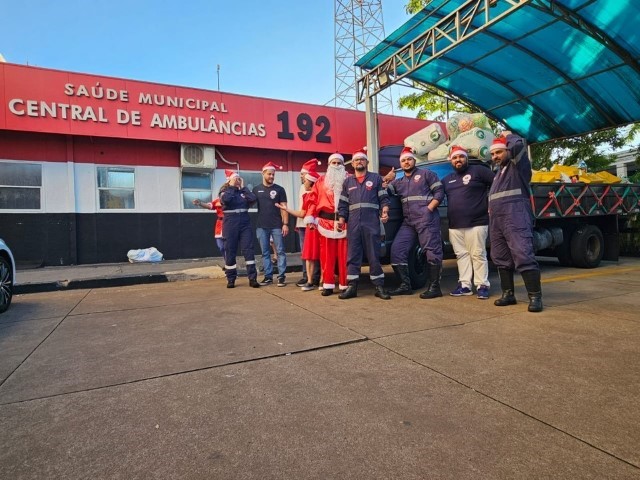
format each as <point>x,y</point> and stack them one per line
<point>328,216</point>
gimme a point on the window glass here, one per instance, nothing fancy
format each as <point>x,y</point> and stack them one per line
<point>20,186</point>
<point>195,185</point>
<point>116,188</point>
<point>21,175</point>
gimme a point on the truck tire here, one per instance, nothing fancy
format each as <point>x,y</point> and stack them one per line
<point>418,273</point>
<point>587,246</point>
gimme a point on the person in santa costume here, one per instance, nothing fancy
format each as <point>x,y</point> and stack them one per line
<point>323,214</point>
<point>511,221</point>
<point>237,232</point>
<point>364,203</point>
<point>311,246</point>
<point>309,167</point>
<point>420,192</point>
<point>215,205</point>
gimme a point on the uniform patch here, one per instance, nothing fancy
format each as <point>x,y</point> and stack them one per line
<point>273,194</point>
<point>368,184</point>
<point>417,177</point>
<point>466,179</point>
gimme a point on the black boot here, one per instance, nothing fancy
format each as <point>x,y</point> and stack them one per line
<point>402,272</point>
<point>326,292</point>
<point>531,280</point>
<point>506,283</point>
<point>351,291</point>
<point>382,293</point>
<point>435,269</point>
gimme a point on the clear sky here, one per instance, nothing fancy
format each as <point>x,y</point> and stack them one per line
<point>273,49</point>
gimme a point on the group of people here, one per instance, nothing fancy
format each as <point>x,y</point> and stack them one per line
<point>341,217</point>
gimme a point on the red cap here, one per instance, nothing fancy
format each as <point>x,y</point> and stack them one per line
<point>457,150</point>
<point>362,153</point>
<point>499,143</point>
<point>312,175</point>
<point>271,166</point>
<point>310,166</point>
<point>230,173</point>
<point>406,153</point>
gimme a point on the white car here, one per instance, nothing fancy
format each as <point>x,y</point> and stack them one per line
<point>7,276</point>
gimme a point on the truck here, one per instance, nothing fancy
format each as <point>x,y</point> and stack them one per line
<point>545,70</point>
<point>579,223</point>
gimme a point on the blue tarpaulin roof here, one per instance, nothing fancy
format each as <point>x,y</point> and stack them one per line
<point>549,69</point>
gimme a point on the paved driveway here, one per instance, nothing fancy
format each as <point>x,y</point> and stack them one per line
<point>192,380</point>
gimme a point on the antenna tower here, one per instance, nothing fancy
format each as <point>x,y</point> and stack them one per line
<point>358,28</point>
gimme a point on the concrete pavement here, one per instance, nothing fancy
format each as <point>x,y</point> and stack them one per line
<point>193,380</point>
<point>71,277</point>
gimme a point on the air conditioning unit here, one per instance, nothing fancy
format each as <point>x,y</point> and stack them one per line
<point>197,157</point>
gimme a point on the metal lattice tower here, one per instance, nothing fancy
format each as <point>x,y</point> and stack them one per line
<point>358,28</point>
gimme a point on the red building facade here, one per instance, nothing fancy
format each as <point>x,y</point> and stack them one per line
<point>91,167</point>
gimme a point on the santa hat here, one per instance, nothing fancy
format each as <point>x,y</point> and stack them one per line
<point>499,143</point>
<point>362,153</point>
<point>407,152</point>
<point>230,174</point>
<point>310,166</point>
<point>312,176</point>
<point>271,166</point>
<point>336,156</point>
<point>457,150</point>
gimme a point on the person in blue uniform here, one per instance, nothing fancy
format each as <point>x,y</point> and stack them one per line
<point>511,221</point>
<point>236,230</point>
<point>364,202</point>
<point>466,189</point>
<point>420,191</point>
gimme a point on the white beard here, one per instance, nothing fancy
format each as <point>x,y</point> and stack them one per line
<point>333,180</point>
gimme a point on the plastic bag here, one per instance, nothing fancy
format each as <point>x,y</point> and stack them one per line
<point>150,254</point>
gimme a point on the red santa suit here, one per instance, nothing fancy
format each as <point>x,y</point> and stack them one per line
<point>333,242</point>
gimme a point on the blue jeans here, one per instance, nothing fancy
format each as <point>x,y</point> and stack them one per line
<point>264,235</point>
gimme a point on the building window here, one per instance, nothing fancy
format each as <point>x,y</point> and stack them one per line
<point>20,186</point>
<point>116,188</point>
<point>195,185</point>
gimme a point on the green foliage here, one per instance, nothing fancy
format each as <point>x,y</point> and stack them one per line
<point>593,148</point>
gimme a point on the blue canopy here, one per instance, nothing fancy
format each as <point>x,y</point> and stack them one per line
<point>546,69</point>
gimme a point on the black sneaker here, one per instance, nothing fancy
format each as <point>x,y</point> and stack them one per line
<point>302,282</point>
<point>254,284</point>
<point>231,284</point>
<point>266,281</point>
<point>281,282</point>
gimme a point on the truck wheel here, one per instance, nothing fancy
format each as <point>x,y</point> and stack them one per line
<point>418,273</point>
<point>587,246</point>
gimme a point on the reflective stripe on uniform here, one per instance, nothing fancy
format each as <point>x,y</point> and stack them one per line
<point>434,185</point>
<point>375,277</point>
<point>250,262</point>
<point>353,277</point>
<point>237,210</point>
<point>230,267</point>
<point>506,193</point>
<point>355,206</point>
<point>415,198</point>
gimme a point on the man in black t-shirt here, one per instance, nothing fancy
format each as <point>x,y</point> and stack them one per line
<point>467,189</point>
<point>272,223</point>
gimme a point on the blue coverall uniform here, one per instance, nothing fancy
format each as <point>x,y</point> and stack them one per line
<point>416,191</point>
<point>237,231</point>
<point>510,214</point>
<point>361,204</point>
